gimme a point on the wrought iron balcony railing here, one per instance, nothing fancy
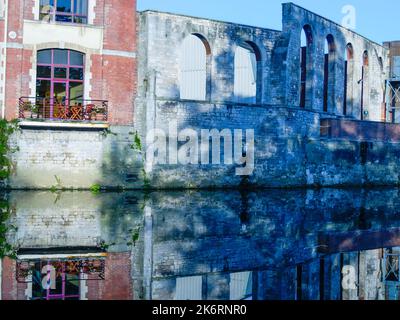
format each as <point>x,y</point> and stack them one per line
<point>76,110</point>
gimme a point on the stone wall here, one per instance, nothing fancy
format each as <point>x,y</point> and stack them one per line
<point>78,159</point>
<point>161,37</point>
<point>288,153</point>
<point>287,66</point>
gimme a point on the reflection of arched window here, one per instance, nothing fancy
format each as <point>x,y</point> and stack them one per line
<point>246,75</point>
<point>364,84</point>
<point>305,64</point>
<point>59,78</point>
<point>194,68</point>
<point>329,72</point>
<point>348,77</point>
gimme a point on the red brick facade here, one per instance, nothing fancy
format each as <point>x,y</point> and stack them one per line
<point>118,284</point>
<point>112,69</point>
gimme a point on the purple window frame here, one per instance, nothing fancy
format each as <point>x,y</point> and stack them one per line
<point>63,295</point>
<point>65,80</point>
<point>54,13</point>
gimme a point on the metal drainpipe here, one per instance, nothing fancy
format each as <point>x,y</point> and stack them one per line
<point>3,94</point>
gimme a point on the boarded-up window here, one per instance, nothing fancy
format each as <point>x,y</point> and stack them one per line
<point>241,286</point>
<point>189,288</point>
<point>245,87</point>
<point>396,67</point>
<point>193,80</point>
<point>329,70</point>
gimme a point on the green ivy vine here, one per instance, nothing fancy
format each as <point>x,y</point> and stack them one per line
<point>6,130</point>
<point>6,249</point>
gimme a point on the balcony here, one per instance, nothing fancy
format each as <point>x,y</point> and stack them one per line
<point>76,111</point>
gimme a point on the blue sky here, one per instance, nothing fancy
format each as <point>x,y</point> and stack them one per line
<point>376,20</point>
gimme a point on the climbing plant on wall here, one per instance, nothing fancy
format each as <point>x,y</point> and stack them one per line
<point>6,130</point>
<point>6,249</point>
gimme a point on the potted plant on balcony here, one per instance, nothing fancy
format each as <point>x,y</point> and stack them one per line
<point>27,110</point>
<point>100,113</point>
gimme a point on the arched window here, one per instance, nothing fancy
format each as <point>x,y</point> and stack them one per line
<point>364,85</point>
<point>59,79</point>
<point>194,68</point>
<point>246,75</point>
<point>329,72</point>
<point>348,77</point>
<point>74,11</point>
<point>305,63</point>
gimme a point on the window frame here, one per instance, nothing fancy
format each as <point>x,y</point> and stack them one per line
<point>53,13</point>
<point>67,80</point>
<point>68,66</point>
<point>61,273</point>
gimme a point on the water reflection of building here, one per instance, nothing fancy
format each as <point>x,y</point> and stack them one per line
<point>208,245</point>
<point>66,236</point>
<point>25,278</point>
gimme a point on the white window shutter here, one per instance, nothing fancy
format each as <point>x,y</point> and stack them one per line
<point>193,76</point>
<point>245,86</point>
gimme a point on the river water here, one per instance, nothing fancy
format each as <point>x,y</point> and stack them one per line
<point>327,244</point>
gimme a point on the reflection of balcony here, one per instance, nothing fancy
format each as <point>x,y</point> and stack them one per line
<point>356,130</point>
<point>76,110</point>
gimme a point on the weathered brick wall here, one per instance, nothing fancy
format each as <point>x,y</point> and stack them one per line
<point>119,64</point>
<point>16,67</point>
<point>118,280</point>
<point>294,19</point>
<point>288,153</point>
<point>75,159</point>
<point>119,73</point>
<point>162,35</point>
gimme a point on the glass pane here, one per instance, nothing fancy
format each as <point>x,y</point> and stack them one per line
<point>60,92</point>
<point>76,74</point>
<point>44,3</point>
<point>61,18</point>
<point>75,92</point>
<point>44,57</point>
<point>64,6</point>
<point>82,20</point>
<point>59,286</point>
<point>46,7</point>
<point>76,58</point>
<point>38,293</point>
<point>80,7</point>
<point>60,73</point>
<point>72,285</point>
<point>43,88</point>
<point>44,72</point>
<point>60,56</point>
